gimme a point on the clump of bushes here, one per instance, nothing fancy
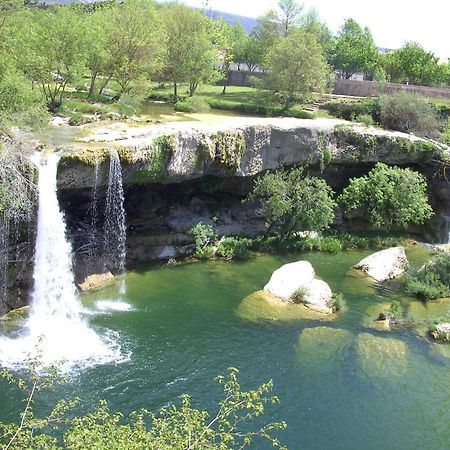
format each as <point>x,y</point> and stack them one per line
<point>78,119</point>
<point>300,294</point>
<point>353,110</point>
<point>192,105</point>
<point>366,119</point>
<point>410,113</point>
<point>233,248</point>
<point>440,330</point>
<point>337,301</point>
<point>432,281</point>
<point>394,314</point>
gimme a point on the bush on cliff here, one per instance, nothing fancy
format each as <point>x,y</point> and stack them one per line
<point>389,196</point>
<point>291,201</point>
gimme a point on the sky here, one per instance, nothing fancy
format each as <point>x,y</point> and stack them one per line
<point>392,22</point>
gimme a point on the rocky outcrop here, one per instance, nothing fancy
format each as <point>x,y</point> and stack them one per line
<point>96,282</point>
<point>441,332</point>
<point>385,264</point>
<point>239,146</point>
<point>296,283</point>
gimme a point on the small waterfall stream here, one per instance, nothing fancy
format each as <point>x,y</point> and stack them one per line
<point>115,229</point>
<point>446,231</point>
<point>55,318</point>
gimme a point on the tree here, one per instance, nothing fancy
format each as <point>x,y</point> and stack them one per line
<point>191,55</point>
<point>49,48</point>
<point>355,50</point>
<point>290,11</point>
<point>413,64</point>
<point>136,40</point>
<point>296,67</point>
<point>389,196</point>
<point>293,201</point>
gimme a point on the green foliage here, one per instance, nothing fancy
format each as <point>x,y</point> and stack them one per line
<point>289,200</point>
<point>205,236</point>
<point>192,105</point>
<point>394,314</point>
<point>349,110</point>
<point>300,294</point>
<point>157,161</point>
<point>365,119</point>
<point>440,330</point>
<point>296,67</point>
<point>337,301</point>
<point>431,281</point>
<point>355,50</point>
<point>413,64</point>
<point>173,427</point>
<point>408,112</point>
<point>77,119</point>
<point>389,196</point>
<point>233,248</point>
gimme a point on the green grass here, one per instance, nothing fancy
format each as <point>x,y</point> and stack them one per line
<point>246,100</point>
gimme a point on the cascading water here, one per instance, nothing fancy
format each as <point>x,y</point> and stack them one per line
<point>115,229</point>
<point>446,231</point>
<point>4,244</point>
<point>55,318</point>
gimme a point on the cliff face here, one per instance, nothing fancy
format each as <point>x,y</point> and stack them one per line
<point>243,147</point>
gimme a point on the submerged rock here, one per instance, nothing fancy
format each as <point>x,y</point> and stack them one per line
<point>96,282</point>
<point>371,318</point>
<point>380,356</point>
<point>385,264</point>
<point>262,305</point>
<point>322,344</point>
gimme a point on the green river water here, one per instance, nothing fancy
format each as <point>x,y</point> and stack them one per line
<point>343,383</point>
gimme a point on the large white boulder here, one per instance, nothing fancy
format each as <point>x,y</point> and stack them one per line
<point>288,278</point>
<point>385,264</point>
<point>319,297</point>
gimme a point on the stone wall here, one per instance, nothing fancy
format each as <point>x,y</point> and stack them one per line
<point>370,88</point>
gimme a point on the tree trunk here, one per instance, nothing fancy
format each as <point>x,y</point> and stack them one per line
<point>92,85</point>
<point>100,91</point>
<point>175,89</point>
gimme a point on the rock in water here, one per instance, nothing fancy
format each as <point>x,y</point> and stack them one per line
<point>16,314</point>
<point>288,278</point>
<point>385,264</point>
<point>97,281</point>
<point>319,297</point>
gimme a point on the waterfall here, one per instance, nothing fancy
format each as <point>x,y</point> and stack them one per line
<point>55,319</point>
<point>115,229</point>
<point>446,230</point>
<point>4,244</point>
<point>93,218</point>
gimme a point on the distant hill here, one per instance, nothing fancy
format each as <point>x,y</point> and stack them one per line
<point>247,22</point>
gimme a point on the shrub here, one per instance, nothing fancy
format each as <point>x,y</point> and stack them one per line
<point>440,330</point>
<point>300,294</point>
<point>389,196</point>
<point>204,236</point>
<point>290,200</point>
<point>431,281</point>
<point>410,113</point>
<point>365,119</point>
<point>350,110</point>
<point>233,248</point>
<point>192,105</point>
<point>394,314</point>
<point>337,301</point>
<point>77,119</point>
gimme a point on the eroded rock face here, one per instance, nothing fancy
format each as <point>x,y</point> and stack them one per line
<point>286,282</point>
<point>385,264</point>
<point>97,281</point>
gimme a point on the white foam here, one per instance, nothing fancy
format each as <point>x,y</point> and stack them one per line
<point>113,305</point>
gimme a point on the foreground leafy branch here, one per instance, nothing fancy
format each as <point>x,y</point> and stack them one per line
<point>173,427</point>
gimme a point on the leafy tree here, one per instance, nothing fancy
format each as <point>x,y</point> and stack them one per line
<point>311,23</point>
<point>183,427</point>
<point>49,47</point>
<point>293,201</point>
<point>137,37</point>
<point>289,15</point>
<point>296,68</point>
<point>389,196</point>
<point>412,63</point>
<point>355,50</point>
<point>191,55</point>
